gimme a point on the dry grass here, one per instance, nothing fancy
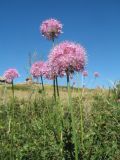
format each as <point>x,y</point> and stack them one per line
<point>31,91</point>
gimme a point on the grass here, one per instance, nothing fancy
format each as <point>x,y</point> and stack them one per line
<point>41,129</point>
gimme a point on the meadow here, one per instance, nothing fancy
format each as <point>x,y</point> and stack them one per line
<point>35,126</point>
<point>43,122</point>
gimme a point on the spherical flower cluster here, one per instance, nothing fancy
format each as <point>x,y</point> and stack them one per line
<point>51,28</point>
<point>68,57</point>
<point>85,73</point>
<point>37,69</point>
<point>96,74</point>
<point>49,71</point>
<point>11,74</point>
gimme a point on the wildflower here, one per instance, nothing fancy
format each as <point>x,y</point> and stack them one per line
<point>48,72</point>
<point>37,69</point>
<point>11,74</point>
<point>51,28</point>
<point>68,57</point>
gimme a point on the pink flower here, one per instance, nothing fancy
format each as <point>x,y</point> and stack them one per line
<point>85,73</point>
<point>96,74</point>
<point>68,57</point>
<point>37,69</point>
<point>51,28</point>
<point>11,74</point>
<point>48,71</point>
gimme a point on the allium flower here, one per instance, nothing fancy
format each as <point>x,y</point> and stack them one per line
<point>85,73</point>
<point>68,57</point>
<point>51,28</point>
<point>48,72</point>
<point>37,69</point>
<point>11,74</point>
<point>96,74</point>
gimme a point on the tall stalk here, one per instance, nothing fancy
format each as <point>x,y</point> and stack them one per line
<point>81,116</point>
<point>42,83</point>
<point>54,89</point>
<point>11,121</point>
<point>13,90</point>
<point>61,134</point>
<point>81,126</point>
<point>57,86</point>
<point>56,78</point>
<point>72,116</point>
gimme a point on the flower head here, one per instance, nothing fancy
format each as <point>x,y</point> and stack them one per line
<point>96,74</point>
<point>51,28</point>
<point>11,74</point>
<point>68,57</point>
<point>37,69</point>
<point>85,73</point>
<point>48,71</point>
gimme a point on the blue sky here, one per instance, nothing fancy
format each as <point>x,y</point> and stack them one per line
<point>93,23</point>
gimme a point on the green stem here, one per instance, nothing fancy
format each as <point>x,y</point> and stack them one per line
<point>54,89</point>
<point>42,83</point>
<point>53,40</point>
<point>72,116</point>
<point>60,106</point>
<point>44,131</point>
<point>81,125</point>
<point>81,116</point>
<point>13,89</point>
<point>11,123</point>
<point>57,86</point>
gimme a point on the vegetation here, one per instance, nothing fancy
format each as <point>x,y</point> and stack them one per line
<point>40,128</point>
